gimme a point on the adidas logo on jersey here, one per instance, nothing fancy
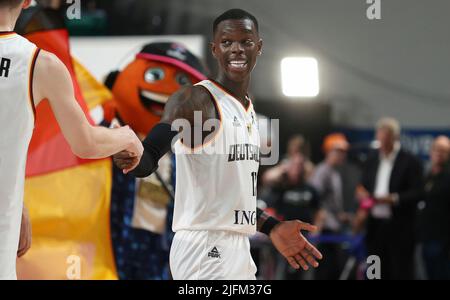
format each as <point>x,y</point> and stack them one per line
<point>214,253</point>
<point>236,122</point>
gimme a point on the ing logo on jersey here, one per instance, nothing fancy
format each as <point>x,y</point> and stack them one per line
<point>244,217</point>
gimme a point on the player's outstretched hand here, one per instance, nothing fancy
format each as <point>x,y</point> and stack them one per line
<point>290,242</point>
<point>135,148</point>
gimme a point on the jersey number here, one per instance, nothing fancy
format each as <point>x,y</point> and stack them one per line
<point>254,181</point>
<point>5,64</point>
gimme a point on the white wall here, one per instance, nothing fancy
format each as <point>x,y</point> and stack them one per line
<point>101,55</point>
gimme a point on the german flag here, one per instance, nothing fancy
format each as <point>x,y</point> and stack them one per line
<point>68,197</point>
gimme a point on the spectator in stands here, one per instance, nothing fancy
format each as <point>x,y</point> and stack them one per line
<point>296,145</point>
<point>328,182</point>
<point>434,213</point>
<point>293,198</point>
<point>392,177</point>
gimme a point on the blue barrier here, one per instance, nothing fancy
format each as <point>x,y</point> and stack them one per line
<point>354,243</point>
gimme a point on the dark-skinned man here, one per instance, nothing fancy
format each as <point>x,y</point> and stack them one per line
<point>215,201</point>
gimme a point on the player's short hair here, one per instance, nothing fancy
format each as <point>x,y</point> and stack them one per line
<point>10,3</point>
<point>235,14</point>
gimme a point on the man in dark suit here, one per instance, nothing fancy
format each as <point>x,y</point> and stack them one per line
<point>434,213</point>
<point>392,177</point>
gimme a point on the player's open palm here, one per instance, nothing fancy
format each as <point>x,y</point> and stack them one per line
<point>290,242</point>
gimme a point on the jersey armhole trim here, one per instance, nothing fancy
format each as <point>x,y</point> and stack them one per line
<point>30,80</point>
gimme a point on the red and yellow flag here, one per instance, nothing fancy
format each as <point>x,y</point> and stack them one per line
<point>68,198</point>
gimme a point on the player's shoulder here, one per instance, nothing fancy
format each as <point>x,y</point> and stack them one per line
<point>48,58</point>
<point>48,62</point>
<point>51,72</point>
<point>195,97</point>
<point>186,101</point>
<point>194,94</point>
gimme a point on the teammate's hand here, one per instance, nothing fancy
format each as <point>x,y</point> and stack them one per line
<point>290,242</point>
<point>25,234</point>
<point>126,161</point>
<point>135,149</point>
<point>129,159</point>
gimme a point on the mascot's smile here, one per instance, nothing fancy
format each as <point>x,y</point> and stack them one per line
<point>153,102</point>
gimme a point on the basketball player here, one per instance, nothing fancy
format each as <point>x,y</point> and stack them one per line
<point>28,75</point>
<point>215,201</point>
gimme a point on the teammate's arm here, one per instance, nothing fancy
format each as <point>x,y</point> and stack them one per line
<point>289,241</point>
<point>181,106</point>
<point>52,81</point>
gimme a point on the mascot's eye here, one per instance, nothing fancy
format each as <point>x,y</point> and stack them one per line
<point>154,74</point>
<point>183,79</point>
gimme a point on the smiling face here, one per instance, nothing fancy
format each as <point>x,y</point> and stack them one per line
<point>236,47</point>
<point>142,89</point>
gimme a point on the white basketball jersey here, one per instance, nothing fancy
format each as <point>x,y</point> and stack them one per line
<point>216,182</point>
<point>17,57</point>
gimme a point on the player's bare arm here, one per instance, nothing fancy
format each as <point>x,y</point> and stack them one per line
<point>182,105</point>
<point>52,81</point>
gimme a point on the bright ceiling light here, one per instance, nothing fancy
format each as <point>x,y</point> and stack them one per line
<point>300,76</point>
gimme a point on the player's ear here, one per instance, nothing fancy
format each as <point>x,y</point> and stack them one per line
<point>260,46</point>
<point>213,47</point>
<point>26,4</point>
